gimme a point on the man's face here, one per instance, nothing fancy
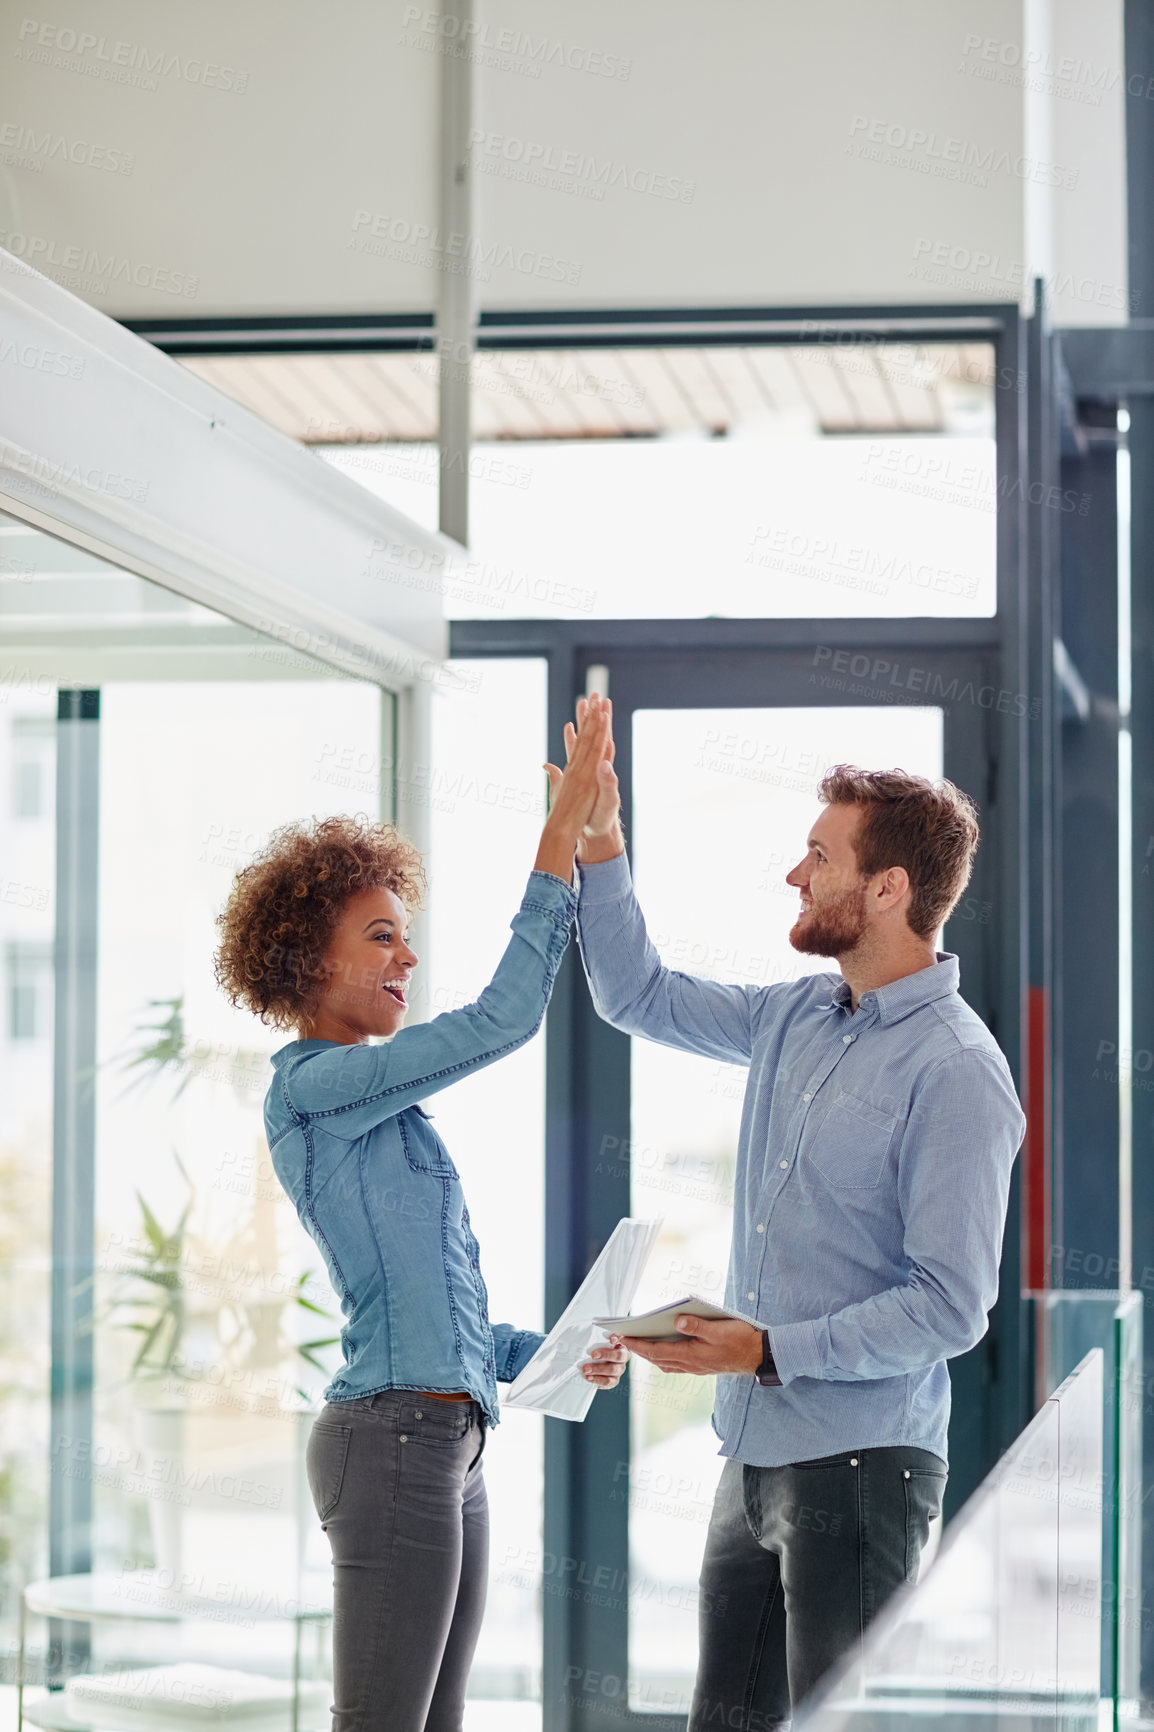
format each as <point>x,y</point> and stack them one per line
<point>833,917</point>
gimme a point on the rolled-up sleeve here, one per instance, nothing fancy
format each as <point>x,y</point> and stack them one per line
<point>961,1139</point>
<point>513,1349</point>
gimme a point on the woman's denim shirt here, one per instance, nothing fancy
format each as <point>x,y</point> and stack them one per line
<point>376,1190</point>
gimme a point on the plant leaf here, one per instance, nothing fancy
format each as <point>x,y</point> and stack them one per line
<point>157,1237</point>
<point>149,1339</point>
<point>305,1349</point>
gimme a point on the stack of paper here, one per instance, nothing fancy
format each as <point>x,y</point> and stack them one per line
<point>661,1324</point>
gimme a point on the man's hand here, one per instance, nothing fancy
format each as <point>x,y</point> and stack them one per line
<point>576,794</point>
<point>710,1346</point>
<point>606,1364</point>
<point>601,837</point>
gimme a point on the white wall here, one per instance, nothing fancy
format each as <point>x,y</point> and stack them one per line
<point>778,151</point>
<point>1084,88</point>
<point>263,131</point>
<point>776,115</point>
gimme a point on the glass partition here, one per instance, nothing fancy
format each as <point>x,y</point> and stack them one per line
<point>203,1305</point>
<point>27,924</point>
<point>160,1359</point>
<point>1068,1324</point>
<point>207,1417</point>
<point>1004,1625</point>
<point>1080,1560</point>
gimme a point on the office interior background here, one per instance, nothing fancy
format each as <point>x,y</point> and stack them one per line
<point>375,380</point>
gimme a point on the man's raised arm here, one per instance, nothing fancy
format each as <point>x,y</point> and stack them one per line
<point>631,988</point>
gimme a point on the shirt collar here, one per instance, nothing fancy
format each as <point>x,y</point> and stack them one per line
<point>909,993</point>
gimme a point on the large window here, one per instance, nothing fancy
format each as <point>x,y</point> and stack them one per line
<point>27,915</point>
<point>849,475</point>
<point>32,758</point>
<point>206,737</point>
<point>205,1382</point>
<point>194,776</point>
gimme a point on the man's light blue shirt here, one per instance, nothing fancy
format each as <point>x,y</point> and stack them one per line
<point>873,1170</point>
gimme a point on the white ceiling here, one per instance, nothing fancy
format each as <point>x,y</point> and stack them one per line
<point>224,159</point>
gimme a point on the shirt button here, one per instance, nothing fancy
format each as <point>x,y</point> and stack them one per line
<point>905,1473</point>
<point>783,1163</point>
<point>807,1097</point>
<point>751,1295</point>
<point>846,1038</point>
<point>853,1460</point>
<point>761,1227</point>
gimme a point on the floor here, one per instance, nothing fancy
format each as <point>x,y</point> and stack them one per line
<point>479,1716</point>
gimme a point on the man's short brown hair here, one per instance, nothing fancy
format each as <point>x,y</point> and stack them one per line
<point>929,828</point>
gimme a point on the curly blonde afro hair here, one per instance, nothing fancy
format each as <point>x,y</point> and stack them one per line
<point>285,904</point>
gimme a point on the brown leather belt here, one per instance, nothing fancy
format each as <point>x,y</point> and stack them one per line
<point>439,1395</point>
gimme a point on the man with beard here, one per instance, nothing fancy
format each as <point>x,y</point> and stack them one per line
<point>879,1128</point>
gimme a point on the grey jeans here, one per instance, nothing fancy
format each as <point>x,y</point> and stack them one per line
<point>396,1481</point>
<point>797,1562</point>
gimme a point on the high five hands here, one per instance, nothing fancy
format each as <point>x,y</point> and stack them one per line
<point>578,791</point>
<point>601,836</point>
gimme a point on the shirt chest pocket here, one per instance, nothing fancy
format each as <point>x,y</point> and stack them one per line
<point>424,1150</point>
<point>850,1146</point>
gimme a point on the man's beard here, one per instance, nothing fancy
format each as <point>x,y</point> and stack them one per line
<point>834,928</point>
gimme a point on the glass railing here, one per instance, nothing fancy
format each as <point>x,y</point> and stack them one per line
<point>1028,1612</point>
<point>1068,1324</point>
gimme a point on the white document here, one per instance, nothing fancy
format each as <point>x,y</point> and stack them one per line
<point>661,1324</point>
<point>552,1382</point>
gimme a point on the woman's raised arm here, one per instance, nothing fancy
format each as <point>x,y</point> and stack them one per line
<point>354,1086</point>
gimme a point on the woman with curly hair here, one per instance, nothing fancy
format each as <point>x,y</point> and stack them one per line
<point>315,938</point>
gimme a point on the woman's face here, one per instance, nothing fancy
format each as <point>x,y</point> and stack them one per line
<point>367,968</point>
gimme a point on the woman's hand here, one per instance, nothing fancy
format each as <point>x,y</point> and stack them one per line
<point>601,836</point>
<point>576,792</point>
<point>606,1364</point>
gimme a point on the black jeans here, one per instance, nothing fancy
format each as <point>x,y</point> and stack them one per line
<point>797,1561</point>
<point>396,1481</point>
